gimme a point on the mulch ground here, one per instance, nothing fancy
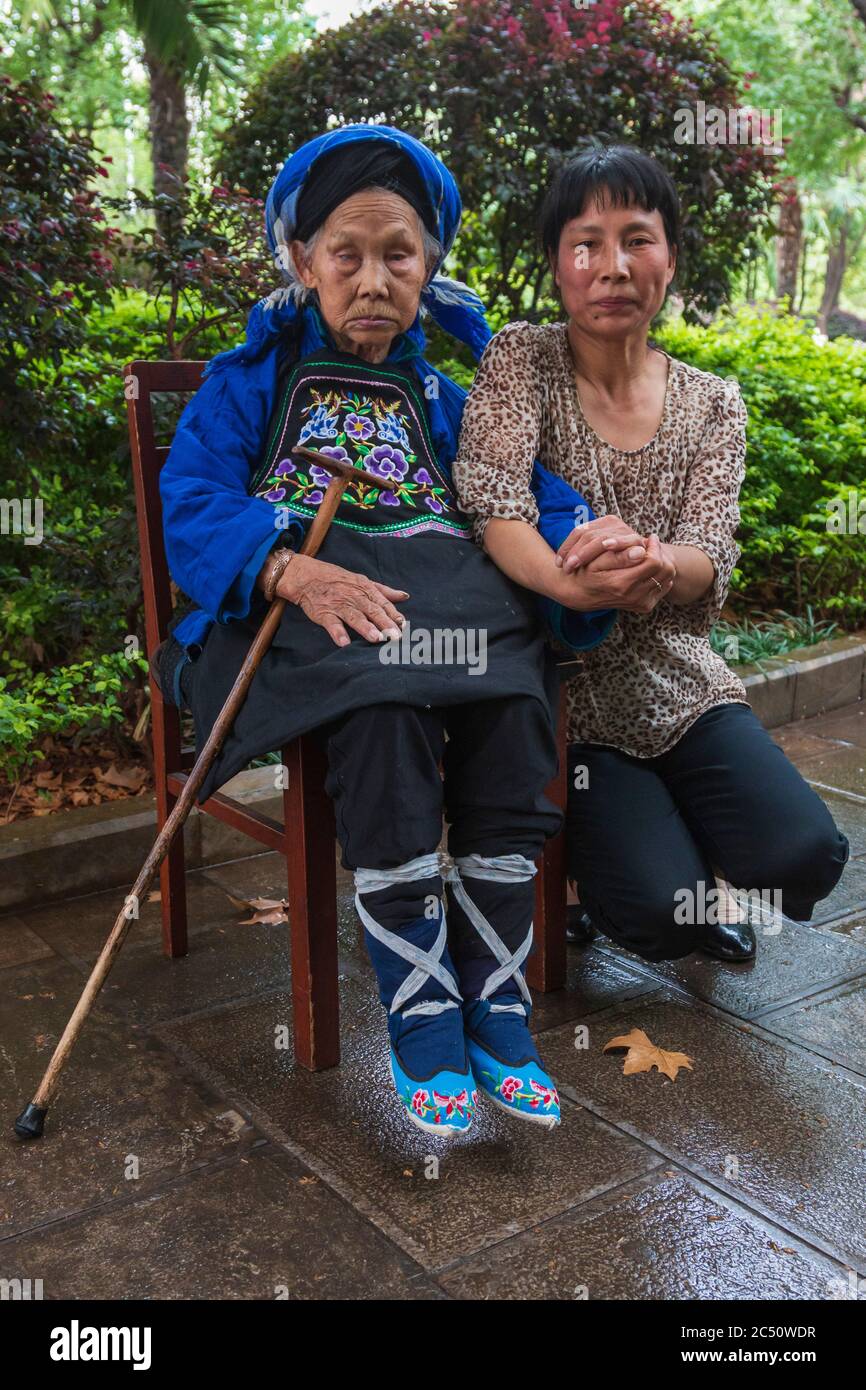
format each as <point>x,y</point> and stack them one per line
<point>65,777</point>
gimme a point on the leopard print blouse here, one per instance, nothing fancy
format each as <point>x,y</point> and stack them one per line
<point>642,687</point>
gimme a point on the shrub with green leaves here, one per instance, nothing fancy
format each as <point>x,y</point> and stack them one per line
<point>70,701</point>
<point>806,402</point>
<point>55,261</point>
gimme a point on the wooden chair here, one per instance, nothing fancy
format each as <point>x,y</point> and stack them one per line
<point>307,835</point>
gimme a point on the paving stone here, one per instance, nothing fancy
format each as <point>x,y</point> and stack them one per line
<point>853,927</point>
<point>259,1228</point>
<point>843,768</point>
<point>122,1098</point>
<point>847,725</point>
<point>832,1025</point>
<point>222,964</point>
<point>78,928</point>
<point>18,944</point>
<point>594,980</point>
<point>265,877</point>
<point>797,960</point>
<point>503,1176</point>
<point>790,1123</point>
<point>798,744</point>
<point>658,1239</point>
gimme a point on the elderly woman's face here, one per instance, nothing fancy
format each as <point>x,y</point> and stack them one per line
<point>613,268</point>
<point>368,267</point>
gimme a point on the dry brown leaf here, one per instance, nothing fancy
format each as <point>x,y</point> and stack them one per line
<point>643,1055</point>
<point>154,896</point>
<point>129,777</point>
<point>48,779</point>
<point>268,912</point>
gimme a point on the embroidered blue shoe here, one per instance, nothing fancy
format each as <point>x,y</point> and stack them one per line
<point>429,1062</point>
<point>497,1003</point>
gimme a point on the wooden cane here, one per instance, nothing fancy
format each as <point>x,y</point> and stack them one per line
<point>31,1122</point>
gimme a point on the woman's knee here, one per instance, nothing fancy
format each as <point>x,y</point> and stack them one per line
<point>803,867</point>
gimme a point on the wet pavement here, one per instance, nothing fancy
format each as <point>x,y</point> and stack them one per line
<point>186,1156</point>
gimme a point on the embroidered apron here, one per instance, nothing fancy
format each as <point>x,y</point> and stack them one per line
<point>374,418</point>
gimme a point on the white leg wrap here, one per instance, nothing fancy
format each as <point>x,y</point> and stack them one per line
<point>426,963</point>
<point>502,868</point>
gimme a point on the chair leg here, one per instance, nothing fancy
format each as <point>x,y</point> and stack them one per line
<point>172,876</point>
<point>310,835</point>
<point>546,967</point>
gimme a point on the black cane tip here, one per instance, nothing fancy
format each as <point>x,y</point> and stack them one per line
<point>31,1121</point>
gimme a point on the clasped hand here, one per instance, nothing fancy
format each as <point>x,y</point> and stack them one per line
<point>617,568</point>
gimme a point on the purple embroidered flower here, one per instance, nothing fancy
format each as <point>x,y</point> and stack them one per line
<point>433,503</point>
<point>389,499</point>
<point>358,427</point>
<point>321,475</point>
<point>387,462</point>
<point>315,497</point>
<point>276,494</point>
<point>422,476</point>
<point>285,466</point>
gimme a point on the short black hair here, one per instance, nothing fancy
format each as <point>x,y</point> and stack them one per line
<point>625,174</point>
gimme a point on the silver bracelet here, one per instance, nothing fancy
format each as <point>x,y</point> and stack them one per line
<point>283,558</point>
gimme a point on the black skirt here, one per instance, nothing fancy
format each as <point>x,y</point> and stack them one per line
<point>472,635</point>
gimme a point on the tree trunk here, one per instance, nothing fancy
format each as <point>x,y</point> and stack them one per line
<point>789,242</point>
<point>837,264</point>
<point>169,126</point>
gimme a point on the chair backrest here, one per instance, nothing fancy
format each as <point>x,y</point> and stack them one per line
<point>143,381</point>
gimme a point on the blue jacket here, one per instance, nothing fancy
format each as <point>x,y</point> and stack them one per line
<point>217,536</point>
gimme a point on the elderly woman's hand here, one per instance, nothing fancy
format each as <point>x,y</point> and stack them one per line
<point>332,596</point>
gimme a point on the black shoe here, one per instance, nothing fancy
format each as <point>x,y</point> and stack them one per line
<point>729,940</point>
<point>579,930</point>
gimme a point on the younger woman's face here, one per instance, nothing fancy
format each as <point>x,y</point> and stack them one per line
<point>613,266</point>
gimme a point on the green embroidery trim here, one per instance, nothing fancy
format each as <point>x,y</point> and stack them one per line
<point>461,528</point>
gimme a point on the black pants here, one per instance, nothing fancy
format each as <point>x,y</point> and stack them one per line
<point>643,830</point>
<point>390,796</point>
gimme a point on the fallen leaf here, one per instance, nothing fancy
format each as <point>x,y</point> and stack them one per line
<point>154,896</point>
<point>643,1055</point>
<point>48,779</point>
<point>269,912</point>
<point>130,777</point>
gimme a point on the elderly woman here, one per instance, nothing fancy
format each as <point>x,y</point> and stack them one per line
<point>359,221</point>
<point>673,781</point>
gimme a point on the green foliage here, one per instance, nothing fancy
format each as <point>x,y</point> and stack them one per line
<point>70,701</point>
<point>806,446</point>
<point>54,261</point>
<point>504,90</point>
<point>202,263</point>
<point>759,641</point>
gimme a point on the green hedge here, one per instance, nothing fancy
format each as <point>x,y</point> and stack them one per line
<point>806,445</point>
